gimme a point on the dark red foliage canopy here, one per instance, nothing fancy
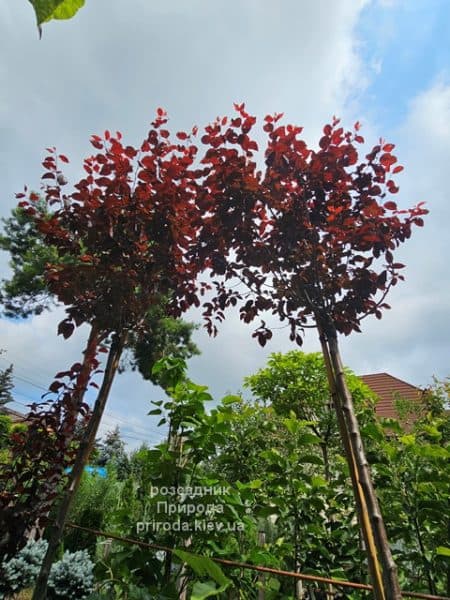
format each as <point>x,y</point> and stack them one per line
<point>123,233</point>
<point>311,234</point>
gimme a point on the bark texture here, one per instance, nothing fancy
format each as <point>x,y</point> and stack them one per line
<point>86,445</point>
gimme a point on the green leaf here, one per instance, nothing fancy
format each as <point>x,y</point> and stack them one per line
<point>317,481</point>
<point>203,566</point>
<point>308,438</point>
<point>430,451</point>
<point>313,459</point>
<point>292,424</point>
<point>267,511</point>
<point>231,399</point>
<point>255,484</point>
<point>373,431</point>
<point>408,440</point>
<point>206,590</point>
<point>443,551</point>
<point>55,9</point>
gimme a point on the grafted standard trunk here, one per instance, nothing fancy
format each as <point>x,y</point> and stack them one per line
<point>382,569</point>
<point>86,445</point>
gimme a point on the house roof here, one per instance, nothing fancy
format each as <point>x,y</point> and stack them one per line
<point>16,417</point>
<point>389,389</point>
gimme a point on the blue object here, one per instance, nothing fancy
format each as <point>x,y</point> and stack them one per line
<point>100,471</point>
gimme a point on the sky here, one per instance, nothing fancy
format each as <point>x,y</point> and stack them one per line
<point>385,63</point>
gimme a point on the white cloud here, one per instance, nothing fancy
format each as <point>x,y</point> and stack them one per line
<point>413,339</point>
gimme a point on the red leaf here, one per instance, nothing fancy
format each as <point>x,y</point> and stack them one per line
<point>381,279</point>
<point>63,374</point>
<point>393,189</point>
<point>397,169</point>
<point>181,135</point>
<point>390,206</point>
<point>388,147</point>
<point>130,151</point>
<point>54,387</point>
<point>387,160</point>
<point>65,328</point>
<point>63,158</point>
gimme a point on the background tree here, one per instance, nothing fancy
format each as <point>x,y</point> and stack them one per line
<point>162,337</point>
<point>297,382</point>
<point>5,428</point>
<point>26,292</point>
<point>111,453</point>
<point>412,479</point>
<point>6,385</point>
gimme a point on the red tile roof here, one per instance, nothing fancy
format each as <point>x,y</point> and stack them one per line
<point>388,389</point>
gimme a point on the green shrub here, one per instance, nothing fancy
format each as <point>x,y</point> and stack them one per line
<point>5,428</point>
<point>94,500</point>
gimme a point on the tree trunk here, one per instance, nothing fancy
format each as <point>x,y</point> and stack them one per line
<point>298,589</point>
<point>361,507</point>
<point>389,571</point>
<point>183,577</point>
<point>172,438</point>
<point>87,442</point>
<point>95,338</point>
<point>326,461</point>
<point>426,564</point>
<point>448,568</point>
<point>261,576</point>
